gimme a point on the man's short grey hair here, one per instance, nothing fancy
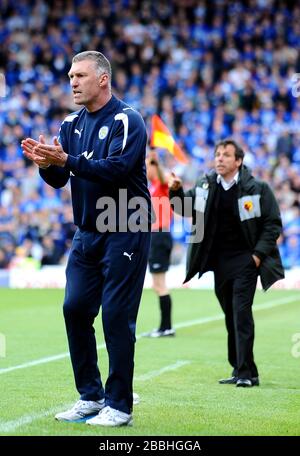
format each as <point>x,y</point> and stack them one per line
<point>102,63</point>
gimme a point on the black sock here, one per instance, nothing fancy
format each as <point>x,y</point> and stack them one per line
<point>165,303</point>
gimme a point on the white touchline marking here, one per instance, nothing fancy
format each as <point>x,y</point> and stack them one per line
<point>158,372</point>
<point>37,362</point>
<point>11,426</point>
<point>256,308</point>
<point>184,324</point>
<point>47,359</point>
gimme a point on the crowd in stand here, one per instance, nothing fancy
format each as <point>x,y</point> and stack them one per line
<point>210,69</point>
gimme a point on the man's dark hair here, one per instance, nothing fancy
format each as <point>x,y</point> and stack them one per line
<point>238,151</point>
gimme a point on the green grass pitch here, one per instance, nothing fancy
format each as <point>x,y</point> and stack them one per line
<point>176,378</point>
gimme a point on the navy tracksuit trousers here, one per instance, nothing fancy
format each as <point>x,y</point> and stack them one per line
<point>99,273</point>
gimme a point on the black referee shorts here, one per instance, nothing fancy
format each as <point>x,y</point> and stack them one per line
<point>160,251</point>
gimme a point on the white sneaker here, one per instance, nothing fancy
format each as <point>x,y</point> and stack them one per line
<point>135,398</point>
<point>110,417</point>
<point>160,333</point>
<point>81,410</point>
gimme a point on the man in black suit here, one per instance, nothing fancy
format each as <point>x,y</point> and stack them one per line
<point>241,222</point>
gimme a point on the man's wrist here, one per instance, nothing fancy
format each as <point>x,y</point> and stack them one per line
<point>44,166</point>
<point>64,160</point>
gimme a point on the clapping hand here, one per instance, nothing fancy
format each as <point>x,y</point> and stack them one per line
<point>44,154</point>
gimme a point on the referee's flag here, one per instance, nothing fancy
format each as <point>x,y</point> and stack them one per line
<point>161,137</point>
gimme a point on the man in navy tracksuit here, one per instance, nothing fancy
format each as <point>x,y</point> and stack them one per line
<point>101,148</point>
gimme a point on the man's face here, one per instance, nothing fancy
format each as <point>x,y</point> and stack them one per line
<point>225,162</point>
<point>85,82</point>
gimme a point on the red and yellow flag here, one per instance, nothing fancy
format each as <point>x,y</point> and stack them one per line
<point>161,137</point>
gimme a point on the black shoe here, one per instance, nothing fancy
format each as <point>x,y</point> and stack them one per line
<point>233,381</point>
<point>247,382</point>
<point>255,381</point>
<point>228,381</point>
<point>244,383</point>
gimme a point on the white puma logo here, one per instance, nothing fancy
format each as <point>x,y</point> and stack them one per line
<point>88,155</point>
<point>127,254</point>
<point>78,132</point>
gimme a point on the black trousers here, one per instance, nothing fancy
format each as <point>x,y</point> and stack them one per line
<point>235,285</point>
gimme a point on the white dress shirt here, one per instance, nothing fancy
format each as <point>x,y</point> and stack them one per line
<point>227,185</point>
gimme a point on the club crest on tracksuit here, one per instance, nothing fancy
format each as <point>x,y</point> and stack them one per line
<point>103,132</point>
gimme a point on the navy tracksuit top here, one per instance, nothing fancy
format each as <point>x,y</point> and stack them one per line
<point>106,152</point>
